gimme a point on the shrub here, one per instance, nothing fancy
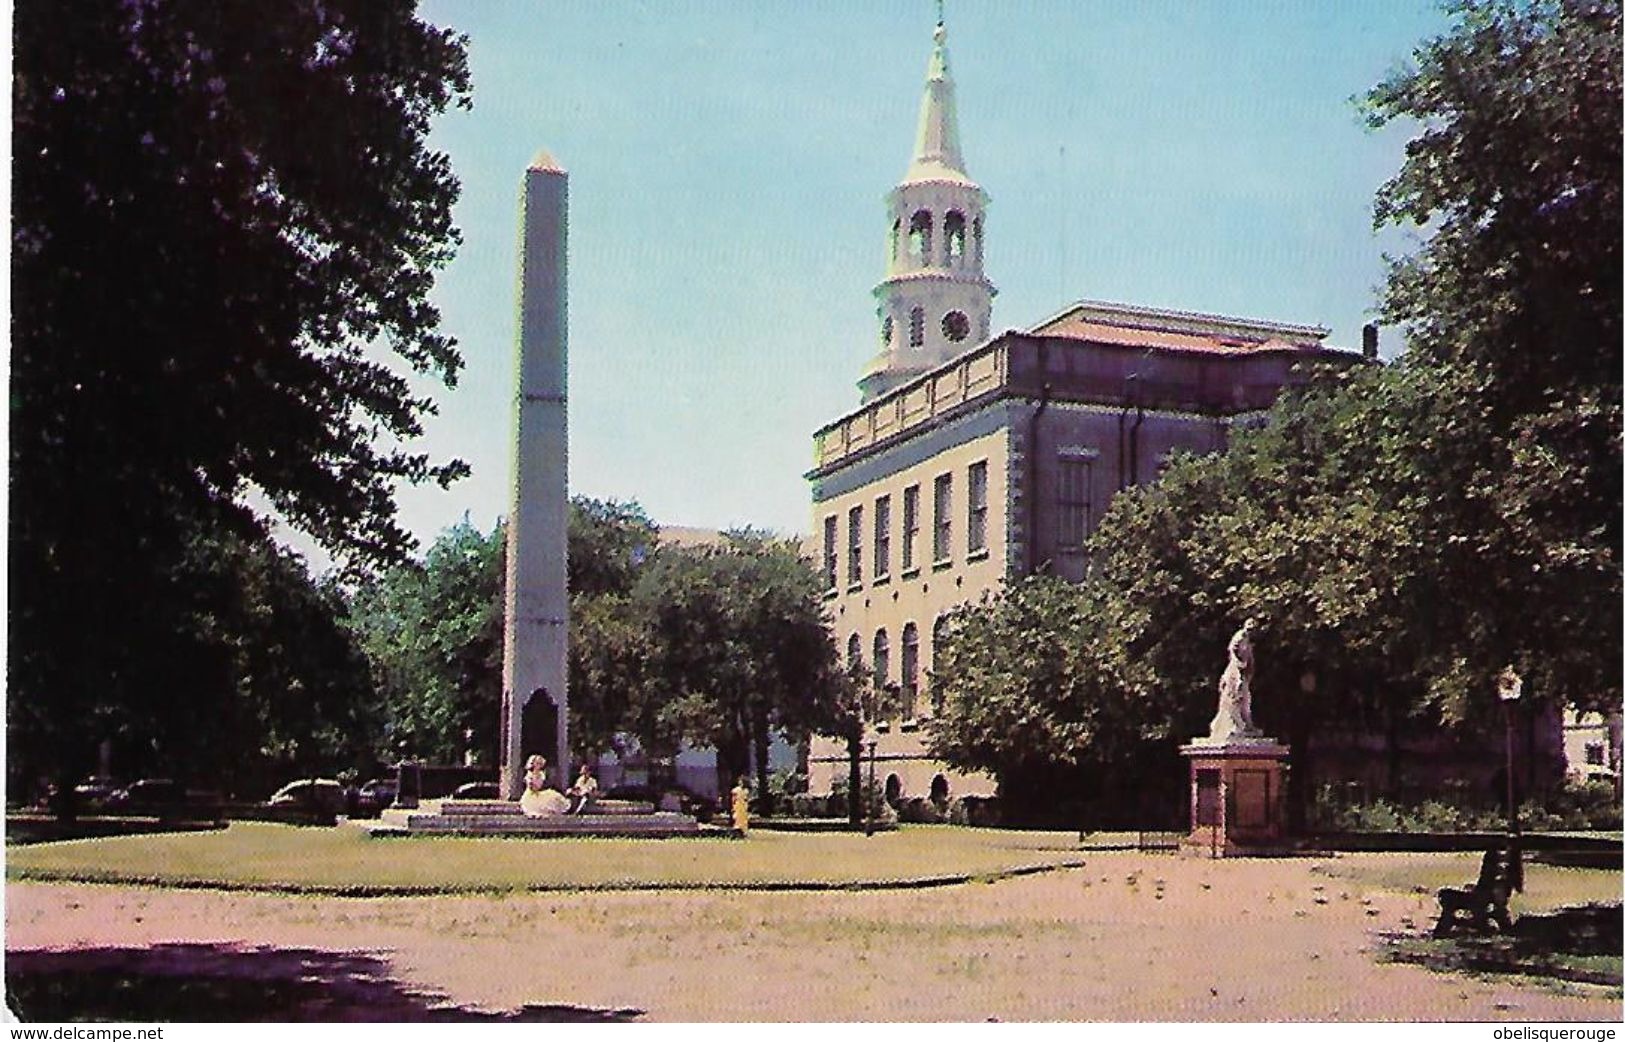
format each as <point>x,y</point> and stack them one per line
<point>786,782</point>
<point>920,811</point>
<point>974,810</point>
<point>806,805</point>
<point>1575,805</point>
<point>1587,804</point>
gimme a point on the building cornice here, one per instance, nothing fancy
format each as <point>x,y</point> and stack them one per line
<point>1142,317</point>
<point>1073,373</point>
<point>944,275</point>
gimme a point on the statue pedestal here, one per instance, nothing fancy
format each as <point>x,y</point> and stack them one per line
<point>1238,786</point>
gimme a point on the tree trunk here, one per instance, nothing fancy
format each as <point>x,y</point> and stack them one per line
<point>760,744</point>
<point>733,759</point>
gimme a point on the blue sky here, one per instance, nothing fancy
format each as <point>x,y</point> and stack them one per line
<point>728,162</point>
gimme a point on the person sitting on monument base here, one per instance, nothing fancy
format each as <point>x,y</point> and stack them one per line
<point>539,801</point>
<point>583,792</point>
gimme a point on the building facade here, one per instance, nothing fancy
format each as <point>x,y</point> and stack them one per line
<point>973,458</point>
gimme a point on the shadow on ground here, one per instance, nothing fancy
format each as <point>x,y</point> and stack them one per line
<point>215,982</point>
<point>1580,943</point>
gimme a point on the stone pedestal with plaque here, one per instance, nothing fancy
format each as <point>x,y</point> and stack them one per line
<point>1237,790</point>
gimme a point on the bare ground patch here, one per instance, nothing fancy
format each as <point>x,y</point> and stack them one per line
<point>1128,937</point>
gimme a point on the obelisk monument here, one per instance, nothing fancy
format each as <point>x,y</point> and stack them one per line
<point>535,702</point>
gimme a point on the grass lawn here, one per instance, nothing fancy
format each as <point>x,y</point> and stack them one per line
<point>257,855</point>
<point>1566,921</point>
<point>1547,888</point>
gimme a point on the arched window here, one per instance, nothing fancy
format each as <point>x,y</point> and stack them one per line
<point>919,236</point>
<point>916,328</point>
<point>953,229</point>
<point>885,330</point>
<point>896,237</point>
<point>882,658</point>
<point>939,630</point>
<point>911,668</point>
<point>854,651</point>
<point>976,235</point>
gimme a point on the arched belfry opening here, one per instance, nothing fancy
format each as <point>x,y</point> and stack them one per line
<point>919,237</point>
<point>953,228</point>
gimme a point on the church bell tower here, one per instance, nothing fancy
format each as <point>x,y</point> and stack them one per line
<point>935,302</point>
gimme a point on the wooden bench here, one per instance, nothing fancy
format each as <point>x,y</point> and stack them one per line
<point>1485,902</point>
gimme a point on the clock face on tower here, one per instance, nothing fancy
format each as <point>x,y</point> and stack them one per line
<point>955,326</point>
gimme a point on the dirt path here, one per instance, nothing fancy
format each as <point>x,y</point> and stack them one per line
<point>1127,938</point>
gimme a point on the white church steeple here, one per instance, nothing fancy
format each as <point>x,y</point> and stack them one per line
<point>934,302</point>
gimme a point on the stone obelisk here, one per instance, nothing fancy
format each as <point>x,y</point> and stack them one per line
<point>535,702</point>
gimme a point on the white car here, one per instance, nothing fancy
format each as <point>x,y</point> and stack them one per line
<point>317,794</point>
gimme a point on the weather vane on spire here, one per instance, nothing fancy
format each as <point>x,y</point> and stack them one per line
<point>940,19</point>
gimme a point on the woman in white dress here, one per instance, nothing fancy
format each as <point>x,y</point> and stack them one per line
<point>538,801</point>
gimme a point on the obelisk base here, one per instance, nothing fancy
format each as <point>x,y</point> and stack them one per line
<point>1237,797</point>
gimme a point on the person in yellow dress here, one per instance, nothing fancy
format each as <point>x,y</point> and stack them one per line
<point>741,807</point>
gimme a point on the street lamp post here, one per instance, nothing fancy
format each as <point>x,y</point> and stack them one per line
<point>869,796</point>
<point>1509,686</point>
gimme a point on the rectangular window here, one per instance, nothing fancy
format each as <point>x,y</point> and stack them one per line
<point>943,519</point>
<point>854,546</point>
<point>976,517</point>
<point>911,670</point>
<point>1594,754</point>
<point>882,537</point>
<point>830,551</point>
<point>911,524</point>
<point>1074,488</point>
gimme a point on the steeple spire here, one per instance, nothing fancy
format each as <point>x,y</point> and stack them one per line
<point>934,302</point>
<point>936,141</point>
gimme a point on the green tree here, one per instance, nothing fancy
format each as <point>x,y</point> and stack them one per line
<point>1408,532</point>
<point>740,648</point>
<point>608,540</point>
<point>1515,177</point>
<point>1028,695</point>
<point>1403,533</point>
<point>216,208</point>
<point>1331,527</point>
<point>295,689</point>
<point>609,648</point>
<point>433,632</point>
<point>849,711</point>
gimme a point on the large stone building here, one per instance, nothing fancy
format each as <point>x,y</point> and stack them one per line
<point>975,458</point>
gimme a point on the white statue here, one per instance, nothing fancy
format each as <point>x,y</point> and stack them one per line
<point>1235,716</point>
<point>539,801</point>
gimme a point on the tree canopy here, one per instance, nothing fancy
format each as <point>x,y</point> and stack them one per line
<point>225,219</point>
<point>1406,532</point>
<point>433,632</point>
<point>740,648</point>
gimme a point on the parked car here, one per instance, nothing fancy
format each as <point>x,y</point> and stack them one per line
<point>148,795</point>
<point>373,797</point>
<point>477,790</point>
<point>317,795</point>
<point>94,791</point>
